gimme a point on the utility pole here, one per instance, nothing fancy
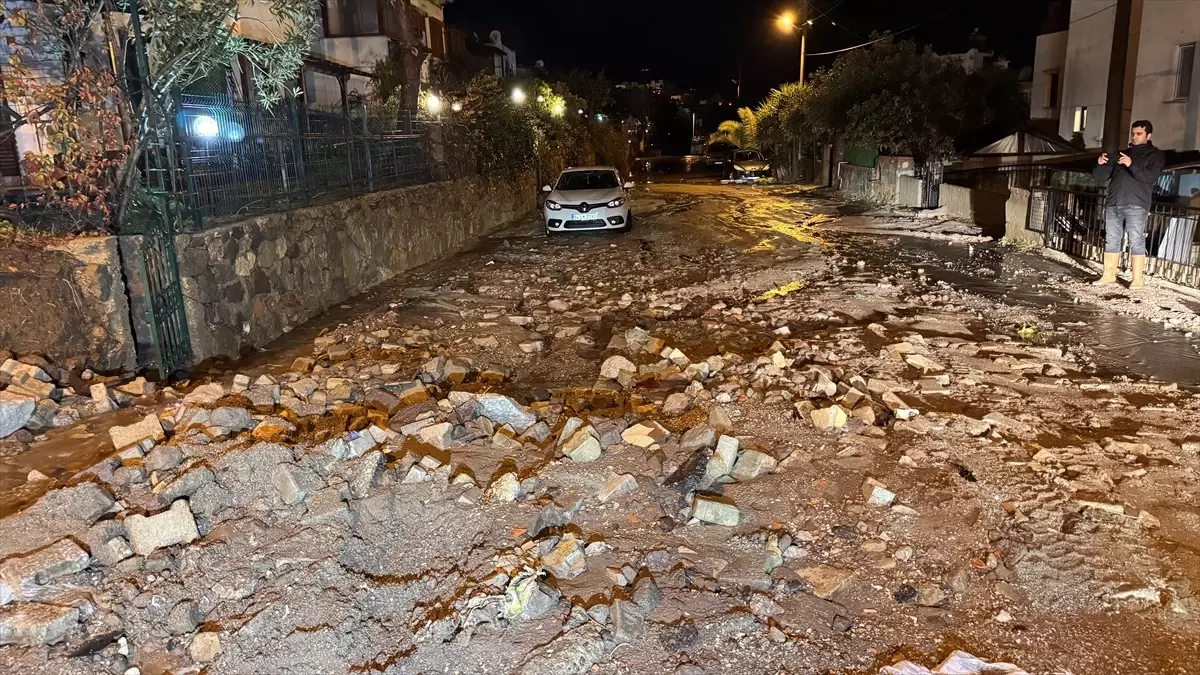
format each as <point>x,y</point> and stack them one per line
<point>804,37</point>
<point>1114,103</point>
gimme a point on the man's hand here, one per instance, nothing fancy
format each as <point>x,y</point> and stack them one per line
<point>1103,159</point>
<point>1124,160</point>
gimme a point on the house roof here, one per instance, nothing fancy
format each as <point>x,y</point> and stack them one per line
<point>1028,142</point>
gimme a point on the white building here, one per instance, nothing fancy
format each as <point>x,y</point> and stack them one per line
<point>1162,71</point>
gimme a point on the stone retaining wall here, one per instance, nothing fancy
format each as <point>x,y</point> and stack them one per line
<point>246,282</point>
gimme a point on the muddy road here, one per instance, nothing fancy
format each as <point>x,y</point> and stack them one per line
<point>761,433</point>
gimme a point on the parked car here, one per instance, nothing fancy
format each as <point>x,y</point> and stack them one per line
<point>588,198</point>
<point>719,154</point>
<point>748,165</point>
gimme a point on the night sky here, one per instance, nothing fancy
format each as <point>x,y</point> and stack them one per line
<point>702,43</point>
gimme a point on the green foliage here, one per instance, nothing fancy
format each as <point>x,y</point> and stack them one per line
<point>893,96</point>
<point>742,132</point>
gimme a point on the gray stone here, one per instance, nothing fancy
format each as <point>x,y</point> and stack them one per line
<point>503,410</point>
<point>574,652</point>
<point>583,446</point>
<point>186,484</point>
<point>295,483</point>
<point>628,621</point>
<point>30,624</point>
<point>440,436</point>
<point>676,404</point>
<point>365,473</point>
<point>647,595</point>
<point>15,371</point>
<point>616,486</point>
<point>326,506</point>
<point>716,510</point>
<point>699,436</point>
<point>149,428</point>
<point>107,542</point>
<point>101,401</point>
<point>506,488</point>
<point>205,394</point>
<point>86,501</point>
<point>567,560</point>
<point>719,419</point>
<point>25,572</point>
<point>614,366</point>
<point>753,464</point>
<point>234,419</point>
<point>184,618</point>
<point>173,526</point>
<point>15,412</point>
<point>163,457</point>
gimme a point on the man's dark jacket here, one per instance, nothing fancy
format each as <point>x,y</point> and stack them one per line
<point>1132,185</point>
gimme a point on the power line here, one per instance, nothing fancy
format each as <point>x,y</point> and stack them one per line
<point>826,15</point>
<point>1103,9</point>
<point>892,35</point>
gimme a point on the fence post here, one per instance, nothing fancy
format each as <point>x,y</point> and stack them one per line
<point>298,150</point>
<point>366,128</point>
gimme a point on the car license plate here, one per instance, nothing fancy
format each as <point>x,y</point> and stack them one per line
<point>583,216</point>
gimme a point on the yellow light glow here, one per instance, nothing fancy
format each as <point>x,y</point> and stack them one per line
<point>518,96</point>
<point>787,21</point>
<point>433,104</point>
<point>558,109</point>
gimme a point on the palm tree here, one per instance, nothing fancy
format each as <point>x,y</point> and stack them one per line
<point>742,132</point>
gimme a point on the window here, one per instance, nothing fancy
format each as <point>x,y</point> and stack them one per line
<point>588,180</point>
<point>1080,119</point>
<point>1185,69</point>
<point>350,18</point>
<point>437,40</point>
<point>1050,94</point>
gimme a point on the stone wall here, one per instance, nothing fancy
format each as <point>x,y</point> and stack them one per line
<point>881,183</point>
<point>244,283</point>
<point>998,213</point>
<point>67,302</point>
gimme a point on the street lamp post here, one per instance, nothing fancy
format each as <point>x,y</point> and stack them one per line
<point>788,21</point>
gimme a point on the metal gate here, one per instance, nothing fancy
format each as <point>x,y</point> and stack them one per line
<point>156,218</point>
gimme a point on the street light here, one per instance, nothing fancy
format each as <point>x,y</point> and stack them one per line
<point>433,104</point>
<point>558,108</point>
<point>787,21</point>
<point>518,96</point>
<point>456,106</point>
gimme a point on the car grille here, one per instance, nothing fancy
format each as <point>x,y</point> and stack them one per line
<point>578,207</point>
<point>580,224</point>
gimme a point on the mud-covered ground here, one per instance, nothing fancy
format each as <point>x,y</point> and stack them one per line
<point>759,434</point>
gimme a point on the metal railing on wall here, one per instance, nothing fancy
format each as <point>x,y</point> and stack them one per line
<point>1072,221</point>
<point>240,160</point>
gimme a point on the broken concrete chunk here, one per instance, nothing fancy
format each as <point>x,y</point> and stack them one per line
<point>205,647</point>
<point>173,526</point>
<point>326,506</point>
<point>825,579</point>
<point>676,404</point>
<point>876,493</point>
<point>295,483</point>
<point>716,510</point>
<point>583,446</point>
<point>205,394</point>
<point>614,366</point>
<point>440,436</point>
<point>506,488</point>
<point>567,560</point>
<point>30,624</point>
<point>25,572</point>
<point>15,412</point>
<point>753,464</point>
<point>833,417</point>
<point>645,434</point>
<point>923,363</point>
<point>699,436</point>
<point>503,410</point>
<point>150,428</point>
<point>274,430</point>
<point>234,419</point>
<point>616,486</point>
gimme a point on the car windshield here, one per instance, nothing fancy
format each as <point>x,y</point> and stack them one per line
<point>587,180</point>
<point>747,156</point>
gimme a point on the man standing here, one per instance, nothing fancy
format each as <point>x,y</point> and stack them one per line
<point>1133,176</point>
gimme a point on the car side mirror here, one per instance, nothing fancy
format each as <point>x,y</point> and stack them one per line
<point>547,188</point>
<point>628,185</point>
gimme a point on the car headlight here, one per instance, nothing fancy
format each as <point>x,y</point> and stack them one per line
<point>616,202</point>
<point>553,205</point>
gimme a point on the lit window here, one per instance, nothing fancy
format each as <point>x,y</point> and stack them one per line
<point>1185,69</point>
<point>1080,118</point>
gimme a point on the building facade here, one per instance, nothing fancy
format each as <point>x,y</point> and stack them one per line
<point>1162,71</point>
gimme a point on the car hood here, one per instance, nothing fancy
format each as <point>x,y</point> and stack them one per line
<point>596,197</point>
<point>752,165</point>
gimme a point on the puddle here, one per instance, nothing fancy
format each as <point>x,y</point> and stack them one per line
<point>1123,345</point>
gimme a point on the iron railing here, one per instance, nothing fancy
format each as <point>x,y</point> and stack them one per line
<point>1072,221</point>
<point>242,159</point>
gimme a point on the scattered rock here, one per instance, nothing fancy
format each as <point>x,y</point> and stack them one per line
<point>826,580</point>
<point>753,464</point>
<point>205,647</point>
<point>616,486</point>
<point>716,510</point>
<point>173,526</point>
<point>31,624</point>
<point>150,428</point>
<point>833,417</point>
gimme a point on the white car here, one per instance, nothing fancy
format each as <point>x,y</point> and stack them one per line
<point>587,198</point>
